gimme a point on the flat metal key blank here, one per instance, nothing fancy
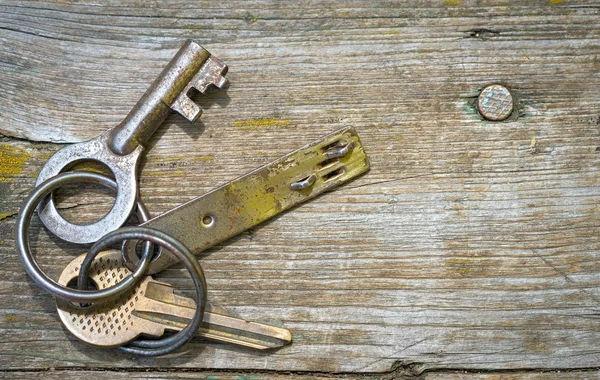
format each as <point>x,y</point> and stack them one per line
<point>150,309</point>
<point>119,148</point>
<point>257,196</point>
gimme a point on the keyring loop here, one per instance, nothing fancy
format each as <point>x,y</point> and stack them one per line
<point>123,167</point>
<point>170,344</point>
<point>33,269</point>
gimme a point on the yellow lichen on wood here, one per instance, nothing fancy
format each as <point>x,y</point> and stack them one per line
<point>12,160</point>
<point>4,215</point>
<point>533,145</point>
<point>164,173</point>
<point>203,158</point>
<point>250,125</point>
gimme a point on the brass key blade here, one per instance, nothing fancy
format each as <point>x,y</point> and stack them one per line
<point>150,309</point>
<point>160,305</point>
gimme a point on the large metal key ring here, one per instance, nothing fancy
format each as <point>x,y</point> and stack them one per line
<point>170,344</point>
<point>33,269</point>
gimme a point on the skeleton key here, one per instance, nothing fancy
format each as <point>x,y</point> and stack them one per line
<point>120,147</point>
<point>257,196</point>
<point>150,309</point>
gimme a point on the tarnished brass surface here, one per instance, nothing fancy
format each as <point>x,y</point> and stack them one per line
<point>258,195</point>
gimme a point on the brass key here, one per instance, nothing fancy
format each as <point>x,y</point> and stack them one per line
<point>150,309</point>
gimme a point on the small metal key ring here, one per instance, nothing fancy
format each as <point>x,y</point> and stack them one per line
<point>170,344</point>
<point>33,269</point>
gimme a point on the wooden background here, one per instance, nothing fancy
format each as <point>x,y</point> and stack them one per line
<point>470,245</point>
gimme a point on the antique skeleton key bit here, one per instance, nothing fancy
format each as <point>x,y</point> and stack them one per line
<point>257,196</point>
<point>150,309</point>
<point>120,147</point>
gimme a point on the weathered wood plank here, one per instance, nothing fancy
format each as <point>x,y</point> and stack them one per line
<point>470,244</point>
<point>174,374</point>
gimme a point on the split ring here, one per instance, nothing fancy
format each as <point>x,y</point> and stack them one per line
<point>169,344</point>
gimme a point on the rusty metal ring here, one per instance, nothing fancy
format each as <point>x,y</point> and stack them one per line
<point>33,269</point>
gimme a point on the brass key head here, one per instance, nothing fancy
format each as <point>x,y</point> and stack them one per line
<point>111,323</point>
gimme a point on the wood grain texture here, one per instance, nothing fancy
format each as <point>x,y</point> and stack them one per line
<point>223,375</point>
<point>469,244</point>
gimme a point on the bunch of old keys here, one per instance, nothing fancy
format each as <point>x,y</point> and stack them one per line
<point>108,298</point>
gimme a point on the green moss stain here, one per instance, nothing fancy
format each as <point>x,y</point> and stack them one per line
<point>250,19</point>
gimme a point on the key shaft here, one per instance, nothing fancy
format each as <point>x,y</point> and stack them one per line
<point>192,66</point>
<point>160,305</point>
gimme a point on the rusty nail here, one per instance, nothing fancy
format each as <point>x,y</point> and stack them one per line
<point>495,103</point>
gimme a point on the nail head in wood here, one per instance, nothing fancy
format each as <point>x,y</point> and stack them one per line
<point>495,103</point>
